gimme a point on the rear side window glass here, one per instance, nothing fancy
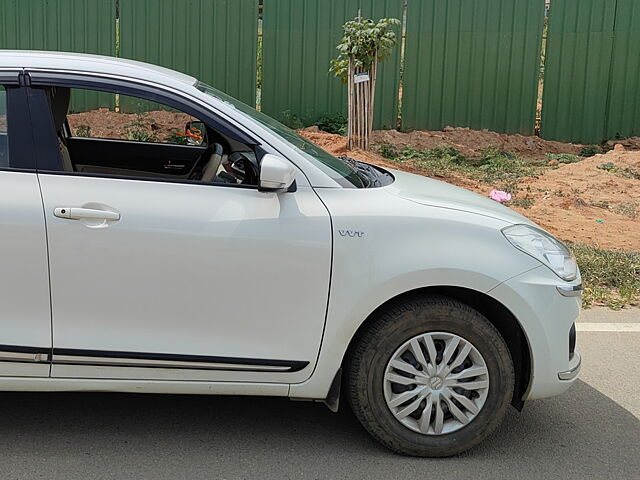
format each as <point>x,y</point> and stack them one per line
<point>4,144</point>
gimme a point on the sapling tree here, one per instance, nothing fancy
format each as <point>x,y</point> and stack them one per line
<point>364,45</point>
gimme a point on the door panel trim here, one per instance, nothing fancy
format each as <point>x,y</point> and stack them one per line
<point>70,356</point>
<point>20,354</point>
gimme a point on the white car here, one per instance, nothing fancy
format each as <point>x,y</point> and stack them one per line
<point>233,257</point>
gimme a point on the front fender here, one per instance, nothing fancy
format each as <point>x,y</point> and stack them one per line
<point>403,247</point>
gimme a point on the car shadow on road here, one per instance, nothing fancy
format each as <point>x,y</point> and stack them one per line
<point>582,434</point>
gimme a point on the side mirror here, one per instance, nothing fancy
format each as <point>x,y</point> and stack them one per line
<point>195,133</point>
<point>276,174</point>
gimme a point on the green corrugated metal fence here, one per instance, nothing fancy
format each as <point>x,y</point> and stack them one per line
<point>213,40</point>
<point>623,118</point>
<point>86,26</point>
<point>472,63</point>
<point>577,69</point>
<point>299,39</point>
<point>592,74</point>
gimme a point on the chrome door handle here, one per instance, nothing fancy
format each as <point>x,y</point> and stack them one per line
<point>76,213</point>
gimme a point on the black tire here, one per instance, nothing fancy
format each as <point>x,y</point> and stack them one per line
<point>367,362</point>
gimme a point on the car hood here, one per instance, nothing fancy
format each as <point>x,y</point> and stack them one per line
<point>426,191</point>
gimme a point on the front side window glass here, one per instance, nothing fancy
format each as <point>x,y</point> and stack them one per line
<point>106,134</point>
<point>103,115</point>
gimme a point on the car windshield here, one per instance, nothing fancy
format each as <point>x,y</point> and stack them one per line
<point>338,169</point>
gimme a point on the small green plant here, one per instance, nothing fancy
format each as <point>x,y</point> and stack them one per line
<point>364,43</point>
<point>608,167</point>
<point>389,152</point>
<point>333,123</point>
<point>140,133</point>
<point>630,173</point>
<point>564,158</point>
<point>83,131</point>
<point>292,120</point>
<point>631,209</point>
<point>590,151</point>
<point>525,202</point>
<point>142,129</point>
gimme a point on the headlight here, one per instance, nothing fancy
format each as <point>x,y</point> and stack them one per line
<point>542,246</point>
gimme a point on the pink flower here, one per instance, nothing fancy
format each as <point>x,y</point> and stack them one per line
<point>500,196</point>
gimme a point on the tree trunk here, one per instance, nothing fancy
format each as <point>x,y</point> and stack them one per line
<point>361,99</point>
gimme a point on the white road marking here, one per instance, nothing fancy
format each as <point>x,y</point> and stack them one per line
<point>607,327</point>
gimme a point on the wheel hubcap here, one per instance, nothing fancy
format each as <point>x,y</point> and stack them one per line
<point>436,383</point>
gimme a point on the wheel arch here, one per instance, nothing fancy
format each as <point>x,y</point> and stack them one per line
<point>501,318</point>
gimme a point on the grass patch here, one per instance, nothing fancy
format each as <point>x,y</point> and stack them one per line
<point>524,202</point>
<point>627,172</point>
<point>564,158</point>
<point>501,170</point>
<point>610,277</point>
<point>630,209</point>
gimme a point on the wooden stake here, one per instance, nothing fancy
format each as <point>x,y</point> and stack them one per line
<point>361,99</point>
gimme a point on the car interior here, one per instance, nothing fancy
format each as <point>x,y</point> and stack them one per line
<point>215,158</point>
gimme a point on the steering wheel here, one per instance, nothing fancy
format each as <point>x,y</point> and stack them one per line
<point>245,169</point>
<point>206,172</point>
<point>198,168</point>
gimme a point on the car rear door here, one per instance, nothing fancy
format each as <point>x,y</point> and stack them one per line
<point>25,316</point>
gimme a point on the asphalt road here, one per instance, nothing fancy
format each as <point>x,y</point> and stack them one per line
<point>592,431</point>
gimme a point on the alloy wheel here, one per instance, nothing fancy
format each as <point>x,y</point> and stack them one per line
<point>436,383</point>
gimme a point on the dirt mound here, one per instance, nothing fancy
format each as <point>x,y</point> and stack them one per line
<point>595,201</point>
<point>105,123</point>
<point>471,142</point>
<point>632,143</point>
<point>337,145</point>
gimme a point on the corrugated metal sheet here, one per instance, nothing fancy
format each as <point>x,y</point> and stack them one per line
<point>623,119</point>
<point>472,63</point>
<point>299,41</point>
<point>577,70</point>
<point>213,40</point>
<point>86,26</point>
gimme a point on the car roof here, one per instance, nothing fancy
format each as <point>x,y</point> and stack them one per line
<point>101,64</point>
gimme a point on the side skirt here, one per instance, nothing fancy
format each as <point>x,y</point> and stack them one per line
<point>29,384</point>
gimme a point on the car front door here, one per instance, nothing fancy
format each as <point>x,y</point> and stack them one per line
<point>25,315</point>
<point>171,280</point>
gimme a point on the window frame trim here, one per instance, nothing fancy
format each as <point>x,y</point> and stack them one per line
<point>136,88</point>
<point>21,156</point>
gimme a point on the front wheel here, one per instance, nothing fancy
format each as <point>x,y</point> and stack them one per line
<point>430,377</point>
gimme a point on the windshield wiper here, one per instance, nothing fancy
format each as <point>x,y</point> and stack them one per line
<point>366,172</point>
